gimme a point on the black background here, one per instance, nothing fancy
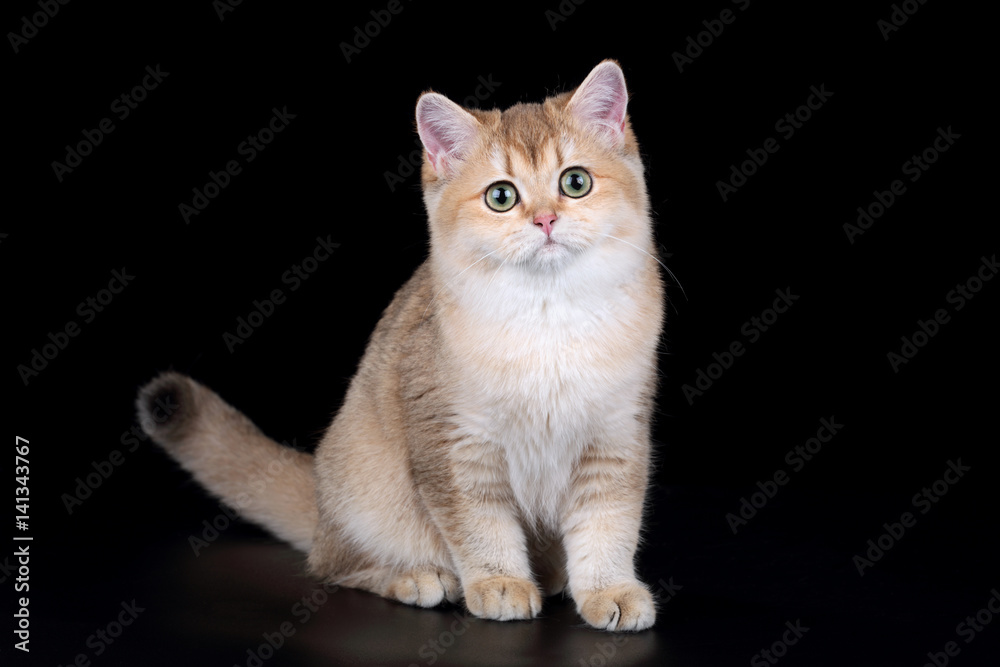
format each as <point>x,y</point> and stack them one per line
<point>325,175</point>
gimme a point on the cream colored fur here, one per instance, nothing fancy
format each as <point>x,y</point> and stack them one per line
<point>494,443</point>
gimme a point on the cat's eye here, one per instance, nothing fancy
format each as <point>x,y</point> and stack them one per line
<point>501,196</point>
<point>575,182</point>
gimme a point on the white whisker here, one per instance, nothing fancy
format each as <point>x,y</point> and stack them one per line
<point>671,273</point>
<point>495,275</point>
<point>459,275</point>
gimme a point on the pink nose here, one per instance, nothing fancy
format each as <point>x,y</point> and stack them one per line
<point>545,221</point>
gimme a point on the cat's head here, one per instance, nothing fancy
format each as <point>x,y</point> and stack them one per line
<point>537,186</point>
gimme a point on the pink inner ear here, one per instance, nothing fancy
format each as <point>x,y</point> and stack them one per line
<point>601,100</point>
<point>446,130</point>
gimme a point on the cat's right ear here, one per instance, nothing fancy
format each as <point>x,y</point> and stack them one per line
<point>446,130</point>
<point>600,102</point>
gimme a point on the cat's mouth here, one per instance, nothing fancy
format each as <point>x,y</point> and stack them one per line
<point>553,250</point>
<point>552,245</point>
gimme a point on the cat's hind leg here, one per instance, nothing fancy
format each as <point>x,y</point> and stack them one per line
<point>422,585</point>
<point>425,586</point>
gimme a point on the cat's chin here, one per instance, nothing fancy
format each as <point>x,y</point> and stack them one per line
<point>553,254</point>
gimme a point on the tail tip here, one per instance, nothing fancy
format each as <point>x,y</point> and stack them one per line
<point>165,406</point>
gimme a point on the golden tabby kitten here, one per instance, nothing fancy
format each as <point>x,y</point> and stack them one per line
<point>494,444</point>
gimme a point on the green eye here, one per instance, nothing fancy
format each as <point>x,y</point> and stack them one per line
<point>501,196</point>
<point>575,182</point>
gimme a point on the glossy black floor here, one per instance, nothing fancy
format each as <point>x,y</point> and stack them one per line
<point>786,584</point>
<point>764,545</point>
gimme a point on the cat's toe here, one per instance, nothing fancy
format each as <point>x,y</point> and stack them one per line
<point>451,585</point>
<point>503,598</point>
<point>425,587</point>
<point>623,608</point>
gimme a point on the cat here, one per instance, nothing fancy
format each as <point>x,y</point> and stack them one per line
<point>494,444</point>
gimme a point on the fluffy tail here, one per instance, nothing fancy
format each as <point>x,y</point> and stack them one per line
<point>269,484</point>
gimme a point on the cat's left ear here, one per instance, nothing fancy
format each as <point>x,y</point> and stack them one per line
<point>446,130</point>
<point>600,102</point>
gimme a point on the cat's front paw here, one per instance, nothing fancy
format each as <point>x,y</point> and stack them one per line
<point>425,587</point>
<point>623,608</point>
<point>503,598</point>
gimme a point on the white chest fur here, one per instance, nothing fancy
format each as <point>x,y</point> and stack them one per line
<point>546,369</point>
